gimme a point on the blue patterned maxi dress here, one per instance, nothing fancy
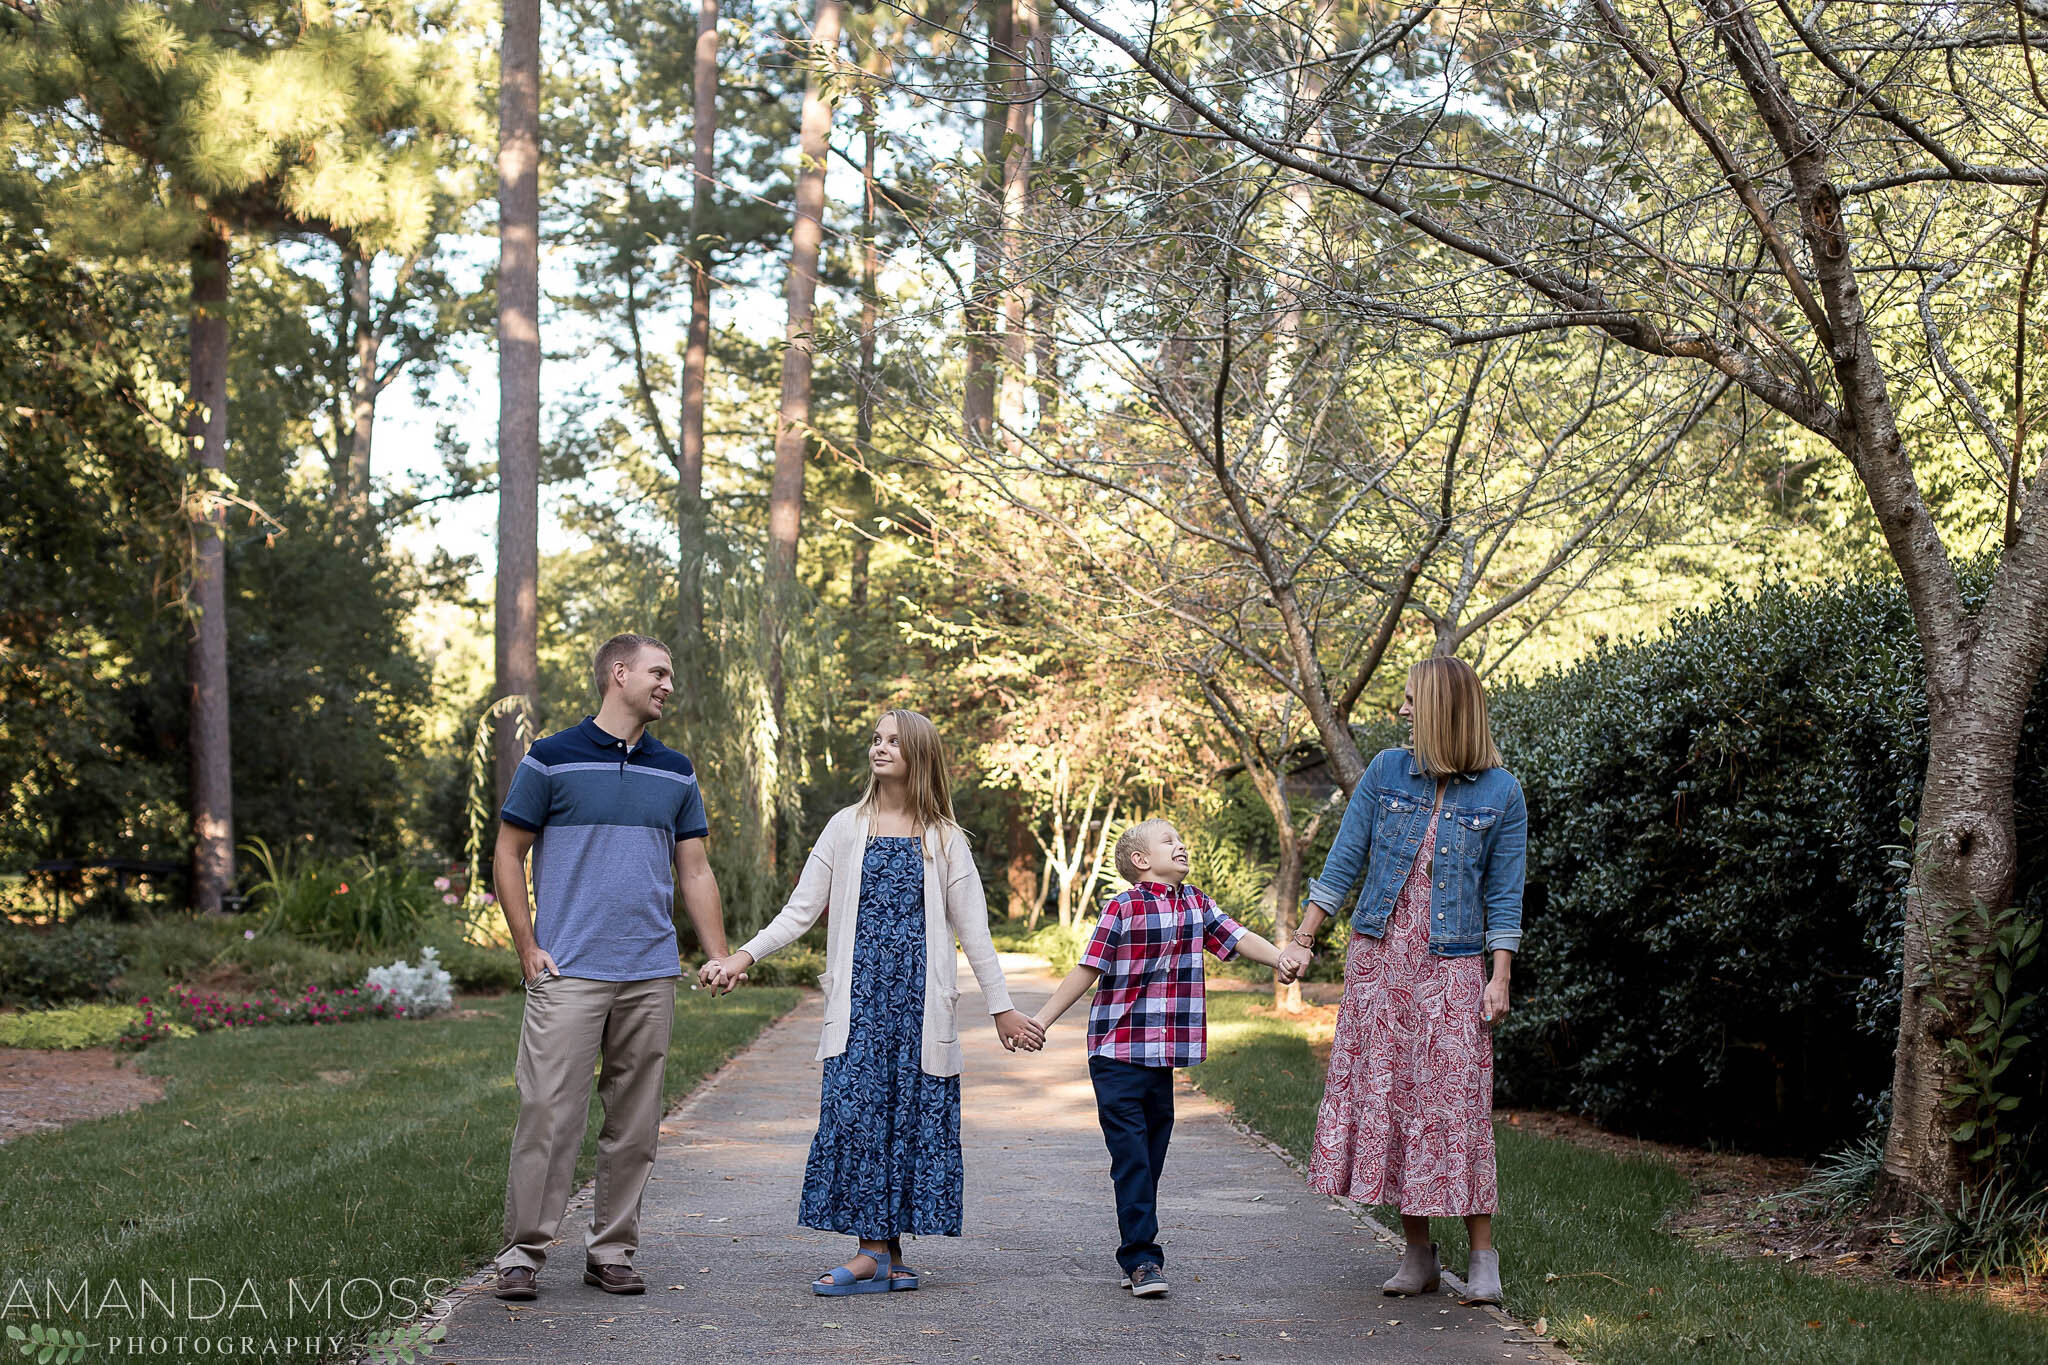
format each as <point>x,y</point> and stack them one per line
<point>886,1160</point>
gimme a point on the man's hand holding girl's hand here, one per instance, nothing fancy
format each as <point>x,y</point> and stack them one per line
<point>721,974</point>
<point>1017,1029</point>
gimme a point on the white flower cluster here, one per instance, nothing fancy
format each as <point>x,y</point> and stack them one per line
<point>425,989</point>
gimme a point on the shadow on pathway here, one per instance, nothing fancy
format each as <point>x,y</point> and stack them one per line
<point>1263,1268</point>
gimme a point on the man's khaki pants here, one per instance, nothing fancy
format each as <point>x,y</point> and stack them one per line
<point>571,1022</point>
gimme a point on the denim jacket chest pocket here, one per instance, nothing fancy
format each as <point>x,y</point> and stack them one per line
<point>1476,858</point>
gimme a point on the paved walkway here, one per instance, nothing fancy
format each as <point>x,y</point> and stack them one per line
<point>1263,1268</point>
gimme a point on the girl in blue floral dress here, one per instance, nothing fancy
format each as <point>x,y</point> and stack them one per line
<point>897,871</point>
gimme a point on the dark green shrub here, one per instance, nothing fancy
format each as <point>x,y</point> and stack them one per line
<point>1712,926</point>
<point>477,970</point>
<point>44,967</point>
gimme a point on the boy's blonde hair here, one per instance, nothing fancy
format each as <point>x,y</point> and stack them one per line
<point>1451,733</point>
<point>1127,844</point>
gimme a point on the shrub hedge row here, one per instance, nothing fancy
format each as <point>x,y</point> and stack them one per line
<point>1713,920</point>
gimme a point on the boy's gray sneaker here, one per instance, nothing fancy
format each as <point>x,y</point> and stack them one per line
<point>1482,1278</point>
<point>1147,1281</point>
<point>1420,1272</point>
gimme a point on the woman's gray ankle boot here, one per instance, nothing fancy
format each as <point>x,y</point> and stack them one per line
<point>1482,1278</point>
<point>1420,1272</point>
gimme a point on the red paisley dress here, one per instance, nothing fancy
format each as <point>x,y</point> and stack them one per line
<point>1407,1113</point>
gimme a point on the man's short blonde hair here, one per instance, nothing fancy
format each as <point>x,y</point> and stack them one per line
<point>1127,844</point>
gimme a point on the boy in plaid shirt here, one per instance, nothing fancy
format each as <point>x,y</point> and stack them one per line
<point>1147,1019</point>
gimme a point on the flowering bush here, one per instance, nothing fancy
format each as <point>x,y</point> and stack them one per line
<point>189,1011</point>
<point>424,989</point>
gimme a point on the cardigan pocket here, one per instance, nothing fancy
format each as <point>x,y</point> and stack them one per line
<point>949,1016</point>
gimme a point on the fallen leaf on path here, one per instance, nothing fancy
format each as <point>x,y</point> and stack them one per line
<point>1540,1326</point>
<point>675,1286</point>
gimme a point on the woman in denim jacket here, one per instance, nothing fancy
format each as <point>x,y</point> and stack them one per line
<point>1435,837</point>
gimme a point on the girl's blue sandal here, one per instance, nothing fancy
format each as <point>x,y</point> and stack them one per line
<point>839,1281</point>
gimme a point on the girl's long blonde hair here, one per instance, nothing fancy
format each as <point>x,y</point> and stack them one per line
<point>1451,733</point>
<point>928,791</point>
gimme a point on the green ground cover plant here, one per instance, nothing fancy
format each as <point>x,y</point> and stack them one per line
<point>1585,1248</point>
<point>68,1027</point>
<point>362,1151</point>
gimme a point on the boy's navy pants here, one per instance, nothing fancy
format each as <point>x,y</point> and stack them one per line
<point>1135,1104</point>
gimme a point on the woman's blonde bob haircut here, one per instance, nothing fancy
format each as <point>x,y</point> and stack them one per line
<point>1451,733</point>
<point>929,793</point>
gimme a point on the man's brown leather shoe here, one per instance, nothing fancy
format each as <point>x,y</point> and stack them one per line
<point>517,1282</point>
<point>614,1279</point>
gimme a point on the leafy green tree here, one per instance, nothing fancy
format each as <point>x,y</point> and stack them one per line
<point>203,121</point>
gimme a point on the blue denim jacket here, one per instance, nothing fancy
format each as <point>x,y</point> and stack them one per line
<point>1482,840</point>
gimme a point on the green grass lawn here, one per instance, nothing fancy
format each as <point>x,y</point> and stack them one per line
<point>1626,1292</point>
<point>371,1151</point>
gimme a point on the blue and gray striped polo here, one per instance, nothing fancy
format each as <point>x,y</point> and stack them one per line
<point>607,820</point>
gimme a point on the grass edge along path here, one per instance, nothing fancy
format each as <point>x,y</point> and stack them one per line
<point>364,1159</point>
<point>1625,1292</point>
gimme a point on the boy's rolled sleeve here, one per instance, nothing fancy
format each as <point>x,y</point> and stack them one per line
<point>1107,938</point>
<point>1220,933</point>
<point>1507,867</point>
<point>526,804</point>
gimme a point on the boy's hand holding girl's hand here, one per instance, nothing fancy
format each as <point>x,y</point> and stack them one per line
<point>721,974</point>
<point>1017,1029</point>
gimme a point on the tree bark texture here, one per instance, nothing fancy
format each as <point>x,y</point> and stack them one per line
<point>793,419</point>
<point>211,769</point>
<point>518,597</point>
<point>1019,116</point>
<point>363,384</point>
<point>864,379</point>
<point>978,405</point>
<point>697,345</point>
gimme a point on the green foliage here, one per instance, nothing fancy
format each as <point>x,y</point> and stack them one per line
<point>1712,925</point>
<point>74,1026</point>
<point>1841,1181</point>
<point>1987,1042</point>
<point>90,488</point>
<point>361,906</point>
<point>1996,1230</point>
<point>41,967</point>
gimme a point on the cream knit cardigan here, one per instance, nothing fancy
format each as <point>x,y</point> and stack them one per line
<point>954,905</point>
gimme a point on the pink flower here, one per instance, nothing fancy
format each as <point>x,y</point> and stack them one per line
<point>441,883</point>
<point>341,890</point>
<point>451,899</point>
<point>489,899</point>
<point>248,933</point>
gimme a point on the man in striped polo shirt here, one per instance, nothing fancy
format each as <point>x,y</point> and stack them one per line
<point>616,826</point>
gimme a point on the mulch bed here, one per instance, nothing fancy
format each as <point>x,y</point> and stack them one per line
<point>44,1091</point>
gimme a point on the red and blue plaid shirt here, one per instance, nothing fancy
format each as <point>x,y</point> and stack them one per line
<point>1148,946</point>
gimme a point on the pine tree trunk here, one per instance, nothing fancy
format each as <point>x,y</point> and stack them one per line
<point>792,428</point>
<point>978,406</point>
<point>697,346</point>
<point>864,382</point>
<point>211,771</point>
<point>1018,126</point>
<point>518,598</point>
<point>362,396</point>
